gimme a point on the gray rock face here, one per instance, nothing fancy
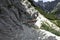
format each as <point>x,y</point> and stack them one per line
<point>12,16</point>
<point>15,23</point>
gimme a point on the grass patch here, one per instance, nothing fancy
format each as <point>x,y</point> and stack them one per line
<point>47,28</point>
<point>50,16</point>
<point>57,22</point>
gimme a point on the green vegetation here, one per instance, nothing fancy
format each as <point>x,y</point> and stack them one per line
<point>50,16</point>
<point>47,28</point>
<point>47,15</point>
<point>57,22</point>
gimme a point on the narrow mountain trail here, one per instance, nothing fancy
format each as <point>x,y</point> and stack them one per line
<point>40,19</point>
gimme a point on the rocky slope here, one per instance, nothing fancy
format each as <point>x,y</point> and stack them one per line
<point>17,18</point>
<point>57,10</point>
<point>47,6</point>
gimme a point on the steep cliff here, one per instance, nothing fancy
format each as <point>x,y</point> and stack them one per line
<point>18,21</point>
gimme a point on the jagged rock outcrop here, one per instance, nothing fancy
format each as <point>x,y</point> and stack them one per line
<point>17,20</point>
